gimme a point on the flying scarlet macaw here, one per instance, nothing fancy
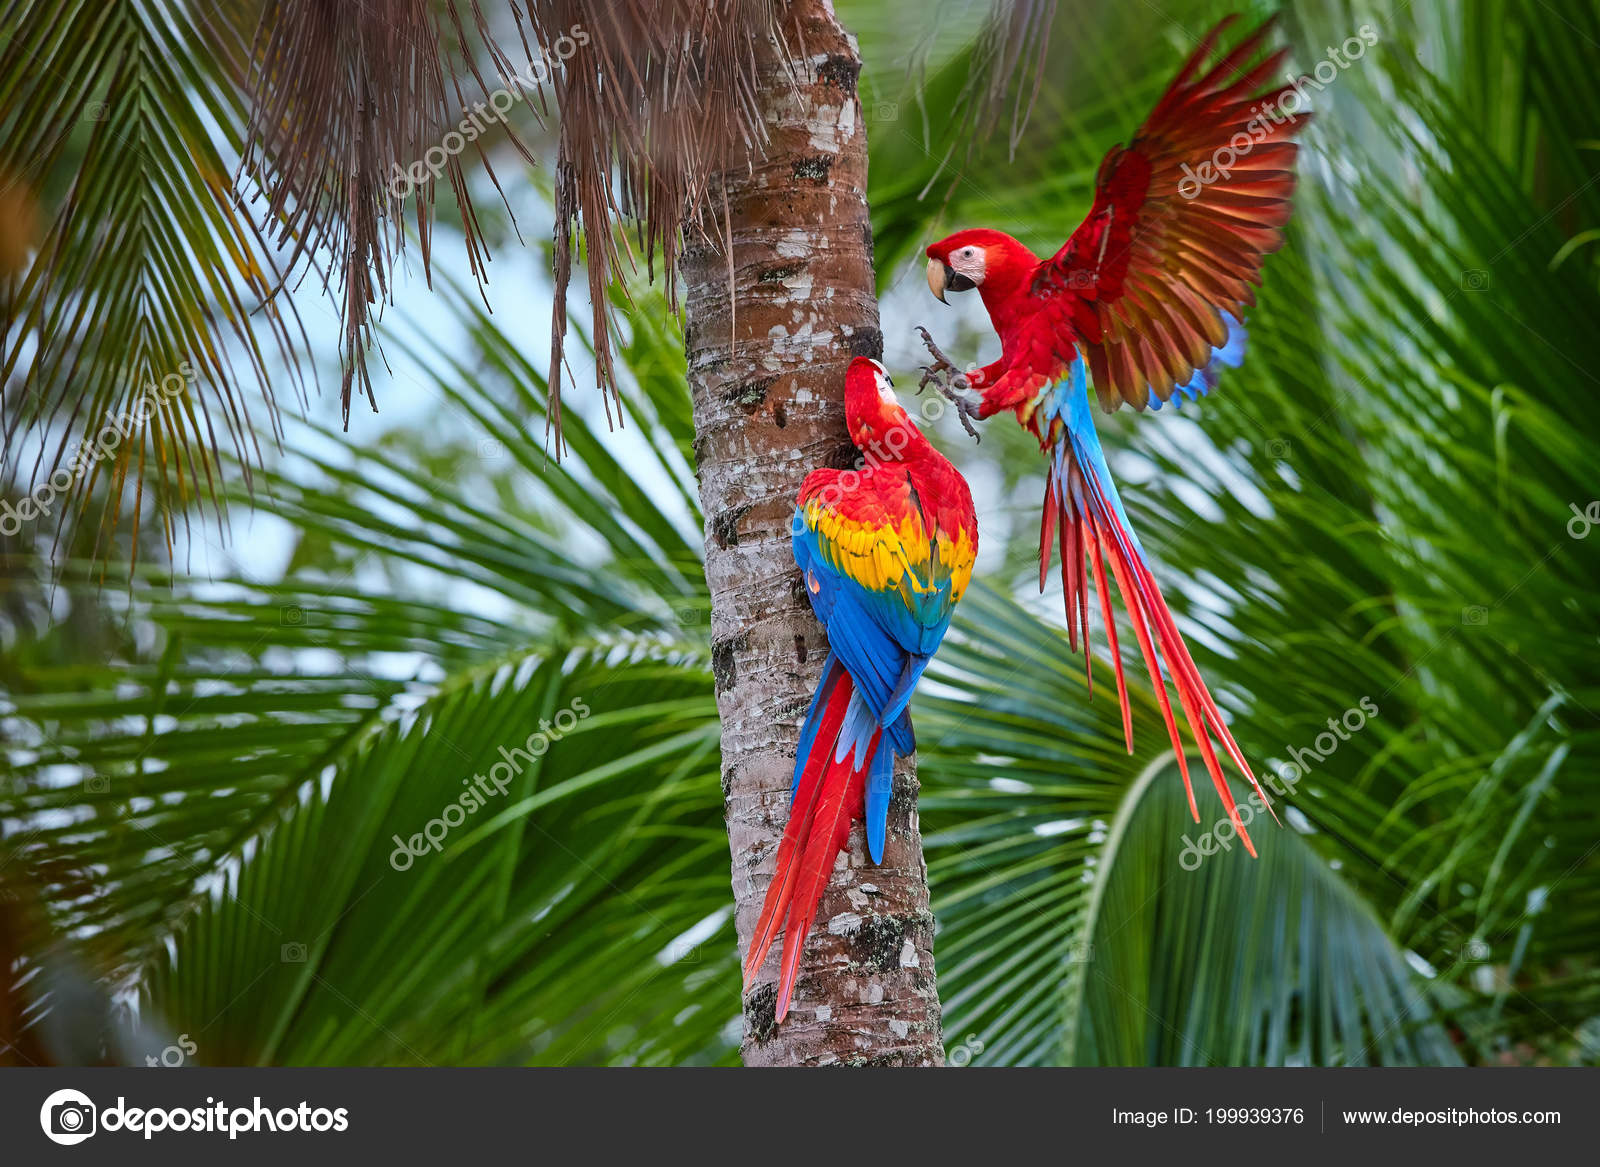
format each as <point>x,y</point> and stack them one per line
<point>886,552</point>
<point>1146,301</point>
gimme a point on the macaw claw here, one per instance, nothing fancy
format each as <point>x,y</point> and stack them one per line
<point>951,383</point>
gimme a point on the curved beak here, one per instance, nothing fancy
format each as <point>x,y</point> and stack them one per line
<point>938,279</point>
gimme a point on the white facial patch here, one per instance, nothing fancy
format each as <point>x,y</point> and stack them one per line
<point>885,385</point>
<point>969,261</point>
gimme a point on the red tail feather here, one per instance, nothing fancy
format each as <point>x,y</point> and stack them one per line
<point>1111,633</point>
<point>1047,534</point>
<point>843,800</point>
<point>801,812</point>
<point>1141,631</point>
<point>1146,608</point>
<point>828,798</point>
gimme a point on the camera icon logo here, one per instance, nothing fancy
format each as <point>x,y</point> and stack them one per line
<point>1475,279</point>
<point>68,1117</point>
<point>293,953</point>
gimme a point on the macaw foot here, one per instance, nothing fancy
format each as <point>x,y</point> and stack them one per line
<point>950,381</point>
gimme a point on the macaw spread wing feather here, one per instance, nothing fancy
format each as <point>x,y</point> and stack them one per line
<point>1154,283</point>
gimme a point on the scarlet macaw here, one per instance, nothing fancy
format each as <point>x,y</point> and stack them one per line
<point>886,552</point>
<point>1147,301</point>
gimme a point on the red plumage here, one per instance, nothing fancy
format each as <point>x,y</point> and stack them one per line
<point>886,551</point>
<point>826,789</point>
<point>841,796</point>
<point>1149,294</point>
<point>1142,286</point>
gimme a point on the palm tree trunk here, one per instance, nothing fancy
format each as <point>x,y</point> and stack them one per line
<point>766,412</point>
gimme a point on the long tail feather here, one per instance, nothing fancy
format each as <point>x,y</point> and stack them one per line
<point>1119,572</point>
<point>817,737</point>
<point>1111,633</point>
<point>1080,487</point>
<point>841,802</point>
<point>841,749</point>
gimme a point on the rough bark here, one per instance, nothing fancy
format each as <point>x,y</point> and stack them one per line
<point>767,410</point>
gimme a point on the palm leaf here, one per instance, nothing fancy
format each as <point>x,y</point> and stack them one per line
<point>150,286</point>
<point>1375,507</point>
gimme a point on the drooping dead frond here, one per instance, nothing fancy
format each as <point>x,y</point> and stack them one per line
<point>350,105</point>
<point>1009,65</point>
<point>659,99</point>
<point>353,117</point>
<point>204,168</point>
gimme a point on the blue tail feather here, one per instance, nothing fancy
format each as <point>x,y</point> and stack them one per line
<point>855,735</point>
<point>880,784</point>
<point>853,741</point>
<point>1086,449</point>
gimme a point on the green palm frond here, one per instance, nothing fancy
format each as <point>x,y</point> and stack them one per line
<point>1196,959</point>
<point>1374,508</point>
<point>234,801</point>
<point>150,299</point>
<point>1077,923</point>
<point>255,691</point>
<point>484,891</point>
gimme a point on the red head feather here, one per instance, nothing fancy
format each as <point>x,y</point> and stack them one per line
<point>997,265</point>
<point>878,425</point>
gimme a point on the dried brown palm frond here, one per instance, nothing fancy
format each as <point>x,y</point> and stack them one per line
<point>662,99</point>
<point>180,149</point>
<point>346,99</point>
<point>653,99</point>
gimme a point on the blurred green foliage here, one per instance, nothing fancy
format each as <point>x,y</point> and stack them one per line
<point>210,777</point>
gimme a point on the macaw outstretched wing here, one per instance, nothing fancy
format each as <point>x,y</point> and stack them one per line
<point>1154,283</point>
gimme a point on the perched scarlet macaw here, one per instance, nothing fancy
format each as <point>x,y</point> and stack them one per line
<point>1146,301</point>
<point>886,552</point>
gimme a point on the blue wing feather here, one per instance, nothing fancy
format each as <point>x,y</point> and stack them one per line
<point>1229,353</point>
